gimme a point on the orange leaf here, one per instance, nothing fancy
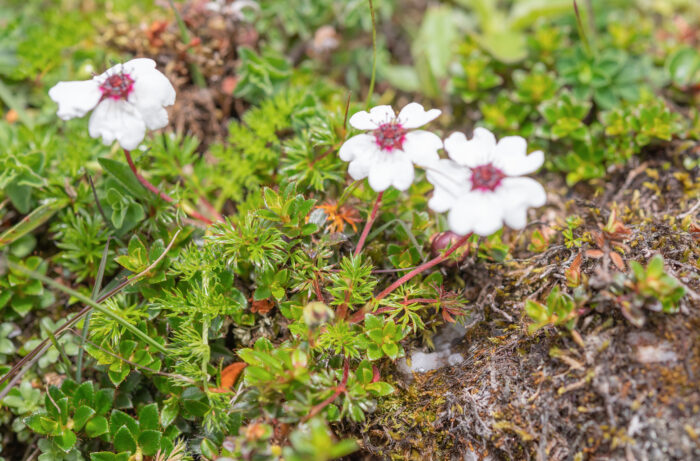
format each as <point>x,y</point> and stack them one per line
<point>229,375</point>
<point>617,260</point>
<point>594,254</point>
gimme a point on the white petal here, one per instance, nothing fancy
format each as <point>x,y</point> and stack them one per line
<point>474,152</point>
<point>516,218</point>
<point>76,98</point>
<point>358,145</point>
<point>523,191</point>
<point>403,174</point>
<point>413,115</point>
<point>486,210</point>
<point>152,91</point>
<point>516,165</point>
<point>391,169</point>
<point>156,118</point>
<point>441,200</point>
<point>422,147</point>
<point>381,176</point>
<point>371,120</point>
<point>449,177</point>
<point>117,120</point>
<point>359,168</point>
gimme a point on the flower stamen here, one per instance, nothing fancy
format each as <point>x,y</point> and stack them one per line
<point>486,177</point>
<point>117,86</point>
<point>390,136</point>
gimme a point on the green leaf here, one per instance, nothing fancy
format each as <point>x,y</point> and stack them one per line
<point>148,417</point>
<point>124,441</point>
<point>380,388</point>
<point>66,441</point>
<point>97,426</point>
<point>391,350</point>
<point>149,441</point>
<point>81,416</point>
<point>123,174</point>
<point>30,222</point>
<point>119,419</point>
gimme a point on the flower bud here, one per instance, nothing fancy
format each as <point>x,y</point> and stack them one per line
<point>317,313</point>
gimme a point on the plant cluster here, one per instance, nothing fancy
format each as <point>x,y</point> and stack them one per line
<point>170,297</point>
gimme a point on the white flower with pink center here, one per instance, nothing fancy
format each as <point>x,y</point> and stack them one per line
<point>127,99</point>
<point>387,153</point>
<point>481,184</point>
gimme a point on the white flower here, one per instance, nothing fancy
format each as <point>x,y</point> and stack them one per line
<point>128,99</point>
<point>387,153</point>
<point>480,185</point>
<point>235,9</point>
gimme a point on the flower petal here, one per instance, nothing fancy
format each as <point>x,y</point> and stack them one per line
<point>422,147</point>
<point>152,91</point>
<point>117,120</point>
<point>391,169</point>
<point>358,145</point>
<point>474,152</point>
<point>414,115</point>
<point>510,155</point>
<point>522,192</point>
<point>76,98</point>
<point>480,213</point>
<point>451,182</point>
<point>371,120</point>
<point>359,168</point>
<point>403,174</point>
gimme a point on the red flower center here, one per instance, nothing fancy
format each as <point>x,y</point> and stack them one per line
<point>390,136</point>
<point>117,86</point>
<point>486,177</point>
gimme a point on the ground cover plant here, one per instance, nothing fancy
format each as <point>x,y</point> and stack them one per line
<point>356,229</point>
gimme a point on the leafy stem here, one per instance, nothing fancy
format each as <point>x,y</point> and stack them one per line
<point>147,184</point>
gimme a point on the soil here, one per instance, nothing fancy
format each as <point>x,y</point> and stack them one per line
<point>608,389</point>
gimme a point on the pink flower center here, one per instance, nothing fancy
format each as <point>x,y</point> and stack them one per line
<point>390,136</point>
<point>486,177</point>
<point>117,86</point>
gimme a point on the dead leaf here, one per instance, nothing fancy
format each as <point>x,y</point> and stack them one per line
<point>595,254</point>
<point>617,260</point>
<point>229,375</point>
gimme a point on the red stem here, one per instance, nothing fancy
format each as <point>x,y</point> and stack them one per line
<point>160,194</point>
<point>316,409</point>
<point>359,315</point>
<point>368,224</point>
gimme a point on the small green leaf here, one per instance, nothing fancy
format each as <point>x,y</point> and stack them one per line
<point>97,426</point>
<point>82,414</point>
<point>149,441</point>
<point>123,174</point>
<point>124,441</point>
<point>148,417</point>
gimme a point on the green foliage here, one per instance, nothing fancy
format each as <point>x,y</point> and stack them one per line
<point>260,75</point>
<point>608,77</point>
<point>21,293</point>
<point>654,284</point>
<point>559,310</point>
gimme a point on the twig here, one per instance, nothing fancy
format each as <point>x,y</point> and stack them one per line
<point>316,409</point>
<point>359,315</point>
<point>368,224</point>
<point>97,200</point>
<point>160,194</point>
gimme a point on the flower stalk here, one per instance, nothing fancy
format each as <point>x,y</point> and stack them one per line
<point>360,315</point>
<point>368,224</point>
<point>147,184</point>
